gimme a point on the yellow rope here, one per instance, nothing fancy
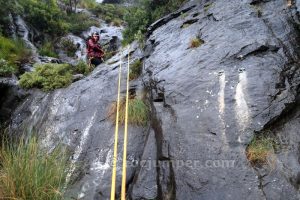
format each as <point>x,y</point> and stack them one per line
<point>123,190</point>
<point>114,172</point>
<point>113,181</point>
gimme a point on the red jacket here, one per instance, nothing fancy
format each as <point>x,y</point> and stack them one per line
<point>94,49</point>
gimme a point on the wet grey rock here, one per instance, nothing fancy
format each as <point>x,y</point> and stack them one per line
<point>206,103</point>
<point>77,77</point>
<point>10,96</point>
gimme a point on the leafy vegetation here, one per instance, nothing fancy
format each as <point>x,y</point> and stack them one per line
<point>6,7</point>
<point>259,149</point>
<point>83,68</point>
<point>6,69</point>
<point>79,22</point>
<point>28,172</point>
<point>135,70</point>
<point>45,16</point>
<point>47,49</point>
<point>110,12</point>
<point>89,4</point>
<point>69,47</point>
<point>12,53</point>
<point>146,12</point>
<point>138,112</point>
<point>47,77</point>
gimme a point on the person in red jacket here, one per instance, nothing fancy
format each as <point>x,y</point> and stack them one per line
<point>94,50</point>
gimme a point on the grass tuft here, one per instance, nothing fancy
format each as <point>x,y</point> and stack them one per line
<point>135,70</point>
<point>28,172</point>
<point>196,42</point>
<point>138,112</point>
<point>259,149</point>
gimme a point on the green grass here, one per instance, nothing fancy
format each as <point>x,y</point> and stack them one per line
<point>47,77</point>
<point>196,42</point>
<point>47,49</point>
<point>135,70</point>
<point>14,53</point>
<point>259,149</point>
<point>29,173</point>
<point>138,112</point>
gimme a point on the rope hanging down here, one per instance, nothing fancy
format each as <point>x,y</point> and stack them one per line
<point>124,164</point>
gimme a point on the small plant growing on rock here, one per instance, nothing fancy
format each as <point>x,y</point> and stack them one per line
<point>196,42</point>
<point>135,70</point>
<point>260,149</point>
<point>47,77</point>
<point>138,112</point>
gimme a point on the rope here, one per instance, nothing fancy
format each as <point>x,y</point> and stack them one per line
<point>114,172</point>
<point>123,191</point>
<point>113,181</point>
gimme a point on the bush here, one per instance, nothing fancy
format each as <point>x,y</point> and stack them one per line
<point>148,11</point>
<point>69,47</point>
<point>45,16</point>
<point>259,149</point>
<point>47,77</point>
<point>138,112</point>
<point>110,12</point>
<point>79,22</point>
<point>6,69</point>
<point>116,22</point>
<point>28,172</point>
<point>6,7</point>
<point>89,4</point>
<point>196,42</point>
<point>135,70</point>
<point>47,49</point>
<point>82,68</point>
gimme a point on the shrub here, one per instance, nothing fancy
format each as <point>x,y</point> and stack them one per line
<point>28,172</point>
<point>45,16</point>
<point>259,149</point>
<point>135,70</point>
<point>47,77</point>
<point>116,22</point>
<point>89,4</point>
<point>110,12</point>
<point>6,69</point>
<point>140,17</point>
<point>138,112</point>
<point>47,49</point>
<point>69,47</point>
<point>79,22</point>
<point>82,68</point>
<point>196,42</point>
<point>137,19</point>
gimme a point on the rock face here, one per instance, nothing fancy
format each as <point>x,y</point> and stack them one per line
<point>206,103</point>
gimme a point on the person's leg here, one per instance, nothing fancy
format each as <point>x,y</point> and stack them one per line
<point>96,61</point>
